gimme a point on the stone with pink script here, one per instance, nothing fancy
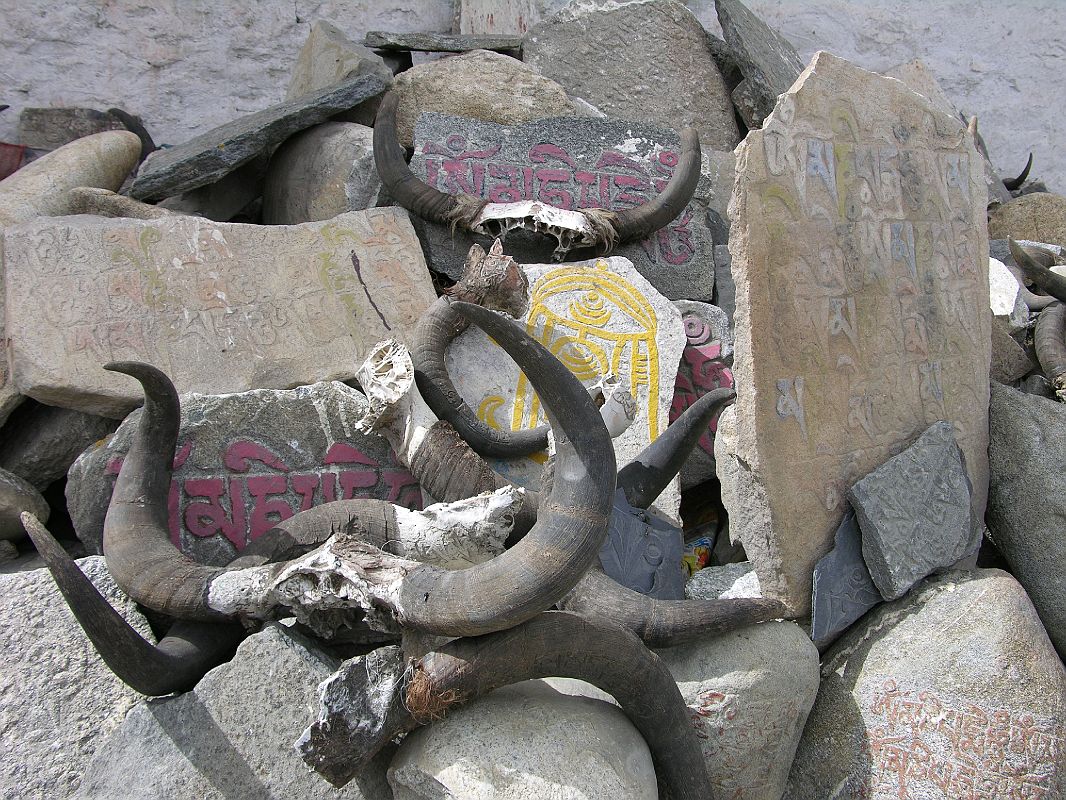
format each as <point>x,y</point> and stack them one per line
<point>571,163</point>
<point>704,367</point>
<point>247,461</point>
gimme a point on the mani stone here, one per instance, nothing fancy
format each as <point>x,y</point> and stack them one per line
<point>953,691</point>
<point>524,741</point>
<point>244,462</point>
<point>769,64</point>
<point>503,16</point>
<point>479,85</point>
<point>16,496</point>
<point>749,693</point>
<point>704,367</point>
<point>860,257</point>
<point>1039,217</point>
<point>643,552</point>
<point>231,737</point>
<point>51,128</point>
<point>570,163</point>
<point>206,158</point>
<point>219,307</point>
<point>599,317</point>
<point>41,442</point>
<point>914,512</point>
<point>648,60</point>
<point>1027,498</point>
<point>320,173</point>
<point>843,589</point>
<point>58,700</point>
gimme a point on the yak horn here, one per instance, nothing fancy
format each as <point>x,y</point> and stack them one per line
<point>1049,339</point>
<point>176,664</point>
<point>1050,282</point>
<point>376,698</point>
<point>1016,183</point>
<point>644,478</point>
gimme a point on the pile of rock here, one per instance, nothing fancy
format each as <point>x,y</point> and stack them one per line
<point>846,260</point>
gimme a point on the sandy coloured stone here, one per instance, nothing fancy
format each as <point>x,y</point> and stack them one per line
<point>598,316</point>
<point>246,461</point>
<point>503,16</point>
<point>328,56</point>
<point>478,85</point>
<point>105,203</point>
<point>320,173</point>
<point>1038,217</point>
<point>860,257</point>
<point>952,690</point>
<point>16,496</point>
<point>219,307</point>
<point>648,60</point>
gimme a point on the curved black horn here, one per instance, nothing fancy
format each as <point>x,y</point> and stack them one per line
<point>571,524</point>
<point>176,664</point>
<point>648,474</point>
<point>1016,183</point>
<point>401,184</point>
<point>639,223</point>
<point>1050,282</point>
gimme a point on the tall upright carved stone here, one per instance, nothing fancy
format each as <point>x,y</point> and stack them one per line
<point>859,255</point>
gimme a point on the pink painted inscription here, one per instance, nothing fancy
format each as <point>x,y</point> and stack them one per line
<point>701,370</point>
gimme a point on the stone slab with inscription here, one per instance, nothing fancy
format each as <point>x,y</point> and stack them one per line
<point>571,163</point>
<point>843,590</point>
<point>953,691</point>
<point>219,307</point>
<point>704,367</point>
<point>247,461</point>
<point>860,255</point>
<point>914,512</point>
<point>599,317</point>
<point>748,693</point>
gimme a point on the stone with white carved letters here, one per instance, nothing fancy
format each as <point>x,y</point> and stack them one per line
<point>860,254</point>
<point>219,307</point>
<point>247,461</point>
<point>953,691</point>
<point>571,163</point>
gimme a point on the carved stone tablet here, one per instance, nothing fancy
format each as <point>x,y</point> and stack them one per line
<point>843,591</point>
<point>643,552</point>
<point>218,307</point>
<point>860,257</point>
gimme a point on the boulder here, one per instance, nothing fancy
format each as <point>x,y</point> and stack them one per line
<point>749,693</point>
<point>1010,361</point>
<point>209,156</point>
<point>320,173</point>
<point>58,700</point>
<point>1027,498</point>
<point>16,496</point>
<point>769,64</point>
<point>616,323</point>
<point>953,691</point>
<point>246,461</point>
<point>839,364</point>
<point>230,737</point>
<point>41,442</point>
<point>648,60</point>
<point>1039,217</point>
<point>570,163</point>
<point>525,741</point>
<point>479,85</point>
<point>723,582</point>
<point>219,307</point>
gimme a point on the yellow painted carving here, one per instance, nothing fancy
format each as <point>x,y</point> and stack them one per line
<point>581,341</point>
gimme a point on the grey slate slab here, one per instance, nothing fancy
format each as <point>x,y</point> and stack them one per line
<point>843,589</point>
<point>442,42</point>
<point>642,552</point>
<point>221,150</point>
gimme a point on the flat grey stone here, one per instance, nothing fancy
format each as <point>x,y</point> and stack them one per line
<point>16,496</point>
<point>723,582</point>
<point>211,155</point>
<point>725,291</point>
<point>770,64</point>
<point>571,163</point>
<point>1027,498</point>
<point>231,737</point>
<point>953,691</point>
<point>914,512</point>
<point>1010,361</point>
<point>41,442</point>
<point>843,589</point>
<point>50,128</point>
<point>225,198</point>
<point>442,42</point>
<point>642,552</point>
<point>246,461</point>
<point>58,700</point>
<point>648,60</point>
